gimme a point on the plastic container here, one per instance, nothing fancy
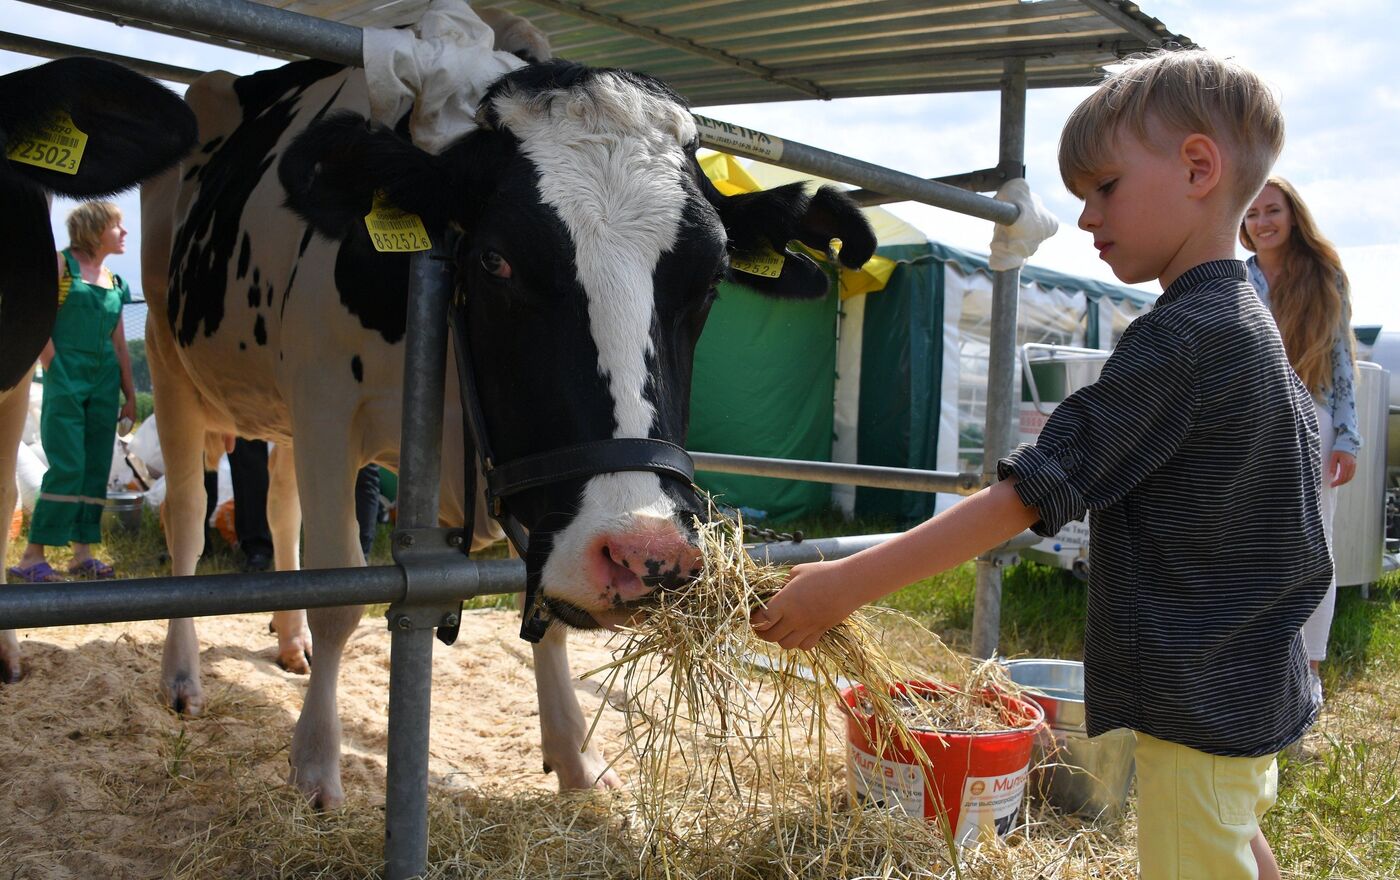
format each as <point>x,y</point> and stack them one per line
<point>123,511</point>
<point>1074,773</point>
<point>977,779</point>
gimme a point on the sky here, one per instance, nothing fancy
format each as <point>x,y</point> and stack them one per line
<point>1328,62</point>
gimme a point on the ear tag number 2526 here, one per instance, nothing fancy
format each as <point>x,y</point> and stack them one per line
<point>58,146</point>
<point>393,231</point>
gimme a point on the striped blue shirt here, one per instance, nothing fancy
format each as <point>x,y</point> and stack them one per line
<point>1197,452</point>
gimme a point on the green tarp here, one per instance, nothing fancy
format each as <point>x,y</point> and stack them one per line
<point>763,386</point>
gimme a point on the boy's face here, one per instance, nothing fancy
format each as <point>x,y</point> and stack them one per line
<point>1134,206</point>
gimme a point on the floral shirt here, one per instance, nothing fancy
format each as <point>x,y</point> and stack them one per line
<point>1340,397</point>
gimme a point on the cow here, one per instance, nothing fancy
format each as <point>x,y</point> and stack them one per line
<point>588,249</point>
<point>134,128</point>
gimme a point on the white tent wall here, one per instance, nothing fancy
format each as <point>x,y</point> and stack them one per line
<point>1048,313</point>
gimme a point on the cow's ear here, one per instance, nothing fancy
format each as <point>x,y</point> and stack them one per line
<point>132,125</point>
<point>760,224</point>
<point>333,169</point>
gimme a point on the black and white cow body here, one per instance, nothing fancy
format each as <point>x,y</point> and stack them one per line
<point>590,246</point>
<point>135,127</point>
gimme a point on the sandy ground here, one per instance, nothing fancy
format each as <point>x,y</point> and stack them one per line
<point>99,780</point>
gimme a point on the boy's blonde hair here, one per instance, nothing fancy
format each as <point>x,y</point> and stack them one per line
<point>87,222</point>
<point>1178,93</point>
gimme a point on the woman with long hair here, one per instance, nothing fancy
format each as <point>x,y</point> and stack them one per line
<point>1299,275</point>
<point>86,365</point>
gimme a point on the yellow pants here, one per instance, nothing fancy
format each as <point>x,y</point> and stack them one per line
<point>1197,813</point>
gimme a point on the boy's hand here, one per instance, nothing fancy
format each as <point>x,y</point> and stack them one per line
<point>815,599</point>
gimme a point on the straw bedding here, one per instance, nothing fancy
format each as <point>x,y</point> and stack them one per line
<point>733,771</point>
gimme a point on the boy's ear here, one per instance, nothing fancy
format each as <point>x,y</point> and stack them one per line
<point>1202,161</point>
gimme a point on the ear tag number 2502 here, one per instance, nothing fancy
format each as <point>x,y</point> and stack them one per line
<point>393,231</point>
<point>58,146</point>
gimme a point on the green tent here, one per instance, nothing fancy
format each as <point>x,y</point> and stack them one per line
<point>894,377</point>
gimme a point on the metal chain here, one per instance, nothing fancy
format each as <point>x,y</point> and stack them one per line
<point>771,536</point>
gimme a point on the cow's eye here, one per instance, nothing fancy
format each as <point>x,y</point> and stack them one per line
<point>495,264</point>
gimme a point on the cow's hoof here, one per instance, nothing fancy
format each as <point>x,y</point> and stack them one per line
<point>320,793</point>
<point>185,696</point>
<point>11,671</point>
<point>296,661</point>
<point>293,648</point>
<point>609,781</point>
<point>592,772</point>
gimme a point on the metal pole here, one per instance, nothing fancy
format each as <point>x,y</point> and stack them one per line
<point>48,49</point>
<point>837,472</point>
<point>253,24</point>
<point>743,141</point>
<point>411,647</point>
<point>1001,364</point>
<point>30,606</point>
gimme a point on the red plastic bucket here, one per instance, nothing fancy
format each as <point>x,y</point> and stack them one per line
<point>976,778</point>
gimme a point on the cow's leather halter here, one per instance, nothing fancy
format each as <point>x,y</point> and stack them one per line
<point>505,479</point>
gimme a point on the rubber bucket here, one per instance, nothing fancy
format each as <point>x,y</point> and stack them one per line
<point>977,779</point>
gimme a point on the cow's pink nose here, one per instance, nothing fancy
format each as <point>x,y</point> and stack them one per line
<point>640,560</point>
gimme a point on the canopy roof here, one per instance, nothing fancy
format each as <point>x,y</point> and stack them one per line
<point>745,51</point>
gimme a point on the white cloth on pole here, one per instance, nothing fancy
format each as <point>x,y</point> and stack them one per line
<point>1013,245</point>
<point>441,66</point>
<point>29,475</point>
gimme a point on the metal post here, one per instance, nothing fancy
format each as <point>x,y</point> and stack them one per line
<point>1002,393</point>
<point>411,645</point>
<point>237,23</point>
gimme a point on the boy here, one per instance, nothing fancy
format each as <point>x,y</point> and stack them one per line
<point>1197,453</point>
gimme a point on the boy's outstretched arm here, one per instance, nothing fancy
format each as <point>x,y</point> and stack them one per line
<point>820,595</point>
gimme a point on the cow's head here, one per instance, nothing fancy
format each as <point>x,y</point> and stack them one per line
<point>134,127</point>
<point>591,248</point>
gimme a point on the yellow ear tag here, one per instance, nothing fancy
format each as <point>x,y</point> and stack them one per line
<point>763,262</point>
<point>58,146</point>
<point>393,231</point>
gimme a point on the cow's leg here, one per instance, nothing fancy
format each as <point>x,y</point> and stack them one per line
<point>326,477</point>
<point>180,424</point>
<point>284,521</point>
<point>13,407</point>
<point>562,725</point>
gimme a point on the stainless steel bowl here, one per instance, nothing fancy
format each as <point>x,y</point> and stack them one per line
<point>1073,772</point>
<point>123,511</point>
<point>1057,685</point>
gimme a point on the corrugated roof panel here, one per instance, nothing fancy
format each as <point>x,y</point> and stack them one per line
<point>739,51</point>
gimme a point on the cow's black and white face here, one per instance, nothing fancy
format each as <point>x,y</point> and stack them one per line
<point>591,246</point>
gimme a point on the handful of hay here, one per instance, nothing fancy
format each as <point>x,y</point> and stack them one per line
<point>732,735</point>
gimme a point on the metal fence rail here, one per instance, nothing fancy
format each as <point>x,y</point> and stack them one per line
<point>85,602</point>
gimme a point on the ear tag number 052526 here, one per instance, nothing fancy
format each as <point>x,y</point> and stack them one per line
<point>393,231</point>
<point>58,146</point>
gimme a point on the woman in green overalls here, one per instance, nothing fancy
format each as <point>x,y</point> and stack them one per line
<point>85,364</point>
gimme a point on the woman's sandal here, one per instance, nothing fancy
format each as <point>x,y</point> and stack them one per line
<point>38,573</point>
<point>92,568</point>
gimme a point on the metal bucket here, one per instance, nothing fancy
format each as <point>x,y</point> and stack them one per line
<point>1073,772</point>
<point>123,511</point>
